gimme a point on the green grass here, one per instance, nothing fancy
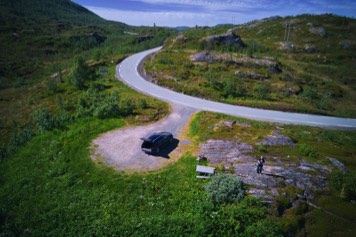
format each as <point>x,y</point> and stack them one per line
<point>52,187</point>
<point>320,82</point>
<point>46,37</point>
<point>313,145</point>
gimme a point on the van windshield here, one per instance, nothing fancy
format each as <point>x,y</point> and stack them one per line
<point>147,144</point>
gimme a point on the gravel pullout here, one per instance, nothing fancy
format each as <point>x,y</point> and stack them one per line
<point>121,148</point>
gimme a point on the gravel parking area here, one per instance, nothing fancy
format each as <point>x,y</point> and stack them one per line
<point>121,148</point>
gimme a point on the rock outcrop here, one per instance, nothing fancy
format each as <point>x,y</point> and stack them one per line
<point>276,139</point>
<point>204,57</point>
<point>317,30</point>
<point>277,171</point>
<point>229,38</point>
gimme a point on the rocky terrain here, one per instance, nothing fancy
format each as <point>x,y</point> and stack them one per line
<point>278,172</point>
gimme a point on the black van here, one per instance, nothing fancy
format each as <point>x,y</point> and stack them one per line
<point>156,142</point>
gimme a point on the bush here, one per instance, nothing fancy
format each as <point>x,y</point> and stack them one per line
<point>325,103</point>
<point>108,109</point>
<point>82,73</point>
<point>345,183</point>
<point>103,106</point>
<point>19,138</point>
<point>261,148</point>
<point>230,86</point>
<point>142,104</point>
<point>264,228</point>
<point>53,85</point>
<point>44,120</point>
<point>309,93</point>
<point>307,150</point>
<point>47,121</point>
<point>261,91</point>
<point>225,188</point>
<point>126,107</point>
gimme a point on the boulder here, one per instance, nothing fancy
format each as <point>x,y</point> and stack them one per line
<point>98,38</point>
<point>226,151</point>
<point>338,164</point>
<point>346,44</point>
<point>286,46</point>
<point>274,69</point>
<point>276,139</point>
<point>309,48</point>
<point>318,31</point>
<point>228,38</point>
<point>179,39</point>
<point>203,57</point>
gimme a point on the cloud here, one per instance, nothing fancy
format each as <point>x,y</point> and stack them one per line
<point>176,18</point>
<point>248,5</point>
<point>213,12</point>
<point>213,4</point>
<point>168,18</point>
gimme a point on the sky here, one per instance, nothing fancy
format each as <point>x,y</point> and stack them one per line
<point>174,13</point>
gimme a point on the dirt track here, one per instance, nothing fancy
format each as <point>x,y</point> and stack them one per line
<point>121,148</point>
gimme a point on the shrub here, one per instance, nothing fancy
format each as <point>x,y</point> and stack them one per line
<point>261,91</point>
<point>47,121</point>
<point>345,183</point>
<point>261,148</point>
<point>44,120</point>
<point>211,78</point>
<point>127,107</point>
<point>324,103</point>
<point>307,150</point>
<point>225,188</point>
<point>108,109</point>
<point>19,138</point>
<point>309,93</point>
<point>230,86</point>
<point>282,203</point>
<point>101,106</point>
<point>52,85</point>
<point>264,228</point>
<point>142,104</point>
<point>82,73</point>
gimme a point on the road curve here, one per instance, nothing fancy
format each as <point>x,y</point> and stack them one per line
<point>127,71</point>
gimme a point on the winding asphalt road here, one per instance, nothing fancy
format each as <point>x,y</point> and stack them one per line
<point>127,71</point>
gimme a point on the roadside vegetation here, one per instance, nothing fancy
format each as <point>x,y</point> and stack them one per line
<point>314,145</point>
<point>59,58</point>
<point>58,92</point>
<point>259,64</point>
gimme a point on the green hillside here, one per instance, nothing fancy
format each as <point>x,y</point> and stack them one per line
<point>58,92</point>
<point>307,67</point>
<point>40,41</point>
<point>36,32</point>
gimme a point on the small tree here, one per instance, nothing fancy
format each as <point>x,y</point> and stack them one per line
<point>44,120</point>
<point>310,93</point>
<point>225,188</point>
<point>82,73</point>
<point>261,91</point>
<point>230,86</point>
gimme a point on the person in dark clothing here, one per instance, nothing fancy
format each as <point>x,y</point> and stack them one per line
<point>260,163</point>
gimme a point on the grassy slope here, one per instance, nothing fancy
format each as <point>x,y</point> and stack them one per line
<point>324,143</point>
<point>51,187</point>
<point>317,82</point>
<point>40,38</point>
